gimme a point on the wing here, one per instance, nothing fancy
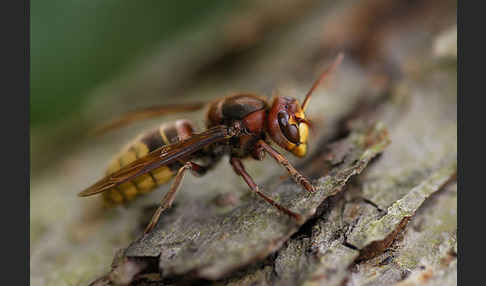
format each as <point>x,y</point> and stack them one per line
<point>162,156</point>
<point>146,113</point>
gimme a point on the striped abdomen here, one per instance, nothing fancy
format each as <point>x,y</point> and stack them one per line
<point>165,134</point>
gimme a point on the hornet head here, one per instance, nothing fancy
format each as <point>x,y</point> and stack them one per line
<point>287,124</point>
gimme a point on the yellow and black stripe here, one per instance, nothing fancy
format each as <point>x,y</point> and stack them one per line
<point>144,144</point>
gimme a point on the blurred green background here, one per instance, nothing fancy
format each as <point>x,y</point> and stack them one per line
<point>94,60</point>
<point>76,45</point>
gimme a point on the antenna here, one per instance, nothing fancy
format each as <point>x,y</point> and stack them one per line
<point>329,70</point>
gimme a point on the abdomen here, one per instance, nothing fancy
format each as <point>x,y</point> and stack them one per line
<point>166,134</point>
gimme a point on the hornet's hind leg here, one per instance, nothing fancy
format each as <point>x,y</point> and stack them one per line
<point>169,197</point>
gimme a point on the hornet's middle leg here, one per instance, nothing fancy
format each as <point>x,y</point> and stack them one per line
<point>240,170</point>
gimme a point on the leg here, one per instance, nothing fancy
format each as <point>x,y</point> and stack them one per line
<point>298,177</point>
<point>240,170</point>
<point>169,197</point>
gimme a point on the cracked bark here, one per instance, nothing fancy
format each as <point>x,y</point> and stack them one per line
<point>359,235</point>
<point>203,244</point>
<point>395,223</point>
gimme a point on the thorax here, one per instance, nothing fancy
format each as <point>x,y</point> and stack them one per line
<point>250,109</point>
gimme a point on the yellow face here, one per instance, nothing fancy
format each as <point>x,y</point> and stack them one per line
<point>300,149</point>
<point>288,126</point>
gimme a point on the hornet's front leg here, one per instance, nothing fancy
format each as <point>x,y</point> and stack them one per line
<point>240,170</point>
<point>296,175</point>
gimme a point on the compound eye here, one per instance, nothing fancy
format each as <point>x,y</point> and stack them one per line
<point>291,131</point>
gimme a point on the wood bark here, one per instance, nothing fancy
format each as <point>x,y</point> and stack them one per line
<point>383,156</point>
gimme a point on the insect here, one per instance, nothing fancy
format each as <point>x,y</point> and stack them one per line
<point>240,125</point>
